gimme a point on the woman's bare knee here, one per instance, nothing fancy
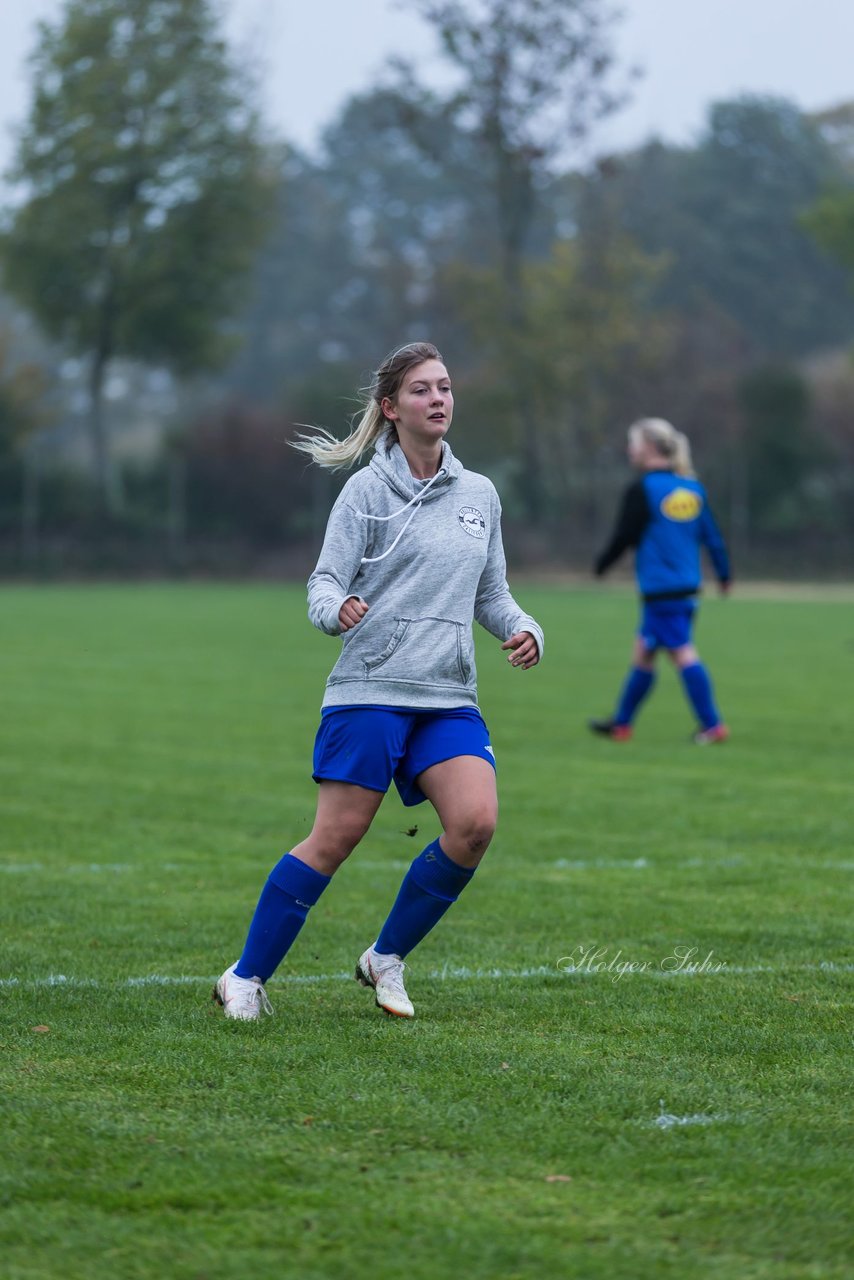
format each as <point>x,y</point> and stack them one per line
<point>337,839</point>
<point>469,837</point>
<point>643,657</point>
<point>685,656</point>
<point>344,815</point>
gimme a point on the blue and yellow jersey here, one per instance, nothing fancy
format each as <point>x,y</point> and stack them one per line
<point>667,519</point>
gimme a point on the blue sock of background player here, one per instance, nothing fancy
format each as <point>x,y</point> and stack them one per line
<point>638,685</point>
<point>698,687</point>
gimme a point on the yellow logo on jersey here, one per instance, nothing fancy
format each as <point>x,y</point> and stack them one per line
<point>682,505</point>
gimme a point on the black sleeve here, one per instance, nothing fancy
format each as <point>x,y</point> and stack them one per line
<point>632,520</point>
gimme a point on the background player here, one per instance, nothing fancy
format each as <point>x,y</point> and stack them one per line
<point>665,516</point>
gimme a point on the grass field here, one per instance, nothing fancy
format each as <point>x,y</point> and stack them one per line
<point>543,1116</point>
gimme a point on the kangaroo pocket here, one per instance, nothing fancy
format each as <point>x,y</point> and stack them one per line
<point>433,651</point>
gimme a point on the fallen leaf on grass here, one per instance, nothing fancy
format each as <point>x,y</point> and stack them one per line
<point>39,1028</point>
<point>558,1177</point>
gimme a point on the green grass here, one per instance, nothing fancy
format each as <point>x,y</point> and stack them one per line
<point>155,747</point>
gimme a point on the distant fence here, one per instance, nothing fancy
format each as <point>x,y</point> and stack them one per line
<point>58,558</point>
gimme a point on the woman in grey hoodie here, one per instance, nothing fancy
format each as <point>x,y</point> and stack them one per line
<point>412,556</point>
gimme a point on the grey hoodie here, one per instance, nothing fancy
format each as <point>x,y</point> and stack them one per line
<point>427,561</point>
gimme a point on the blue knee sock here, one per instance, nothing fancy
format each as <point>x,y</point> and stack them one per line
<point>292,887</point>
<point>637,686</point>
<point>698,687</point>
<point>431,884</point>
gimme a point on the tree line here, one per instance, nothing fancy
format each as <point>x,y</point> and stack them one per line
<point>233,286</point>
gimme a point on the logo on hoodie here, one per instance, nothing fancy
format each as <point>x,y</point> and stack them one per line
<point>472,522</point>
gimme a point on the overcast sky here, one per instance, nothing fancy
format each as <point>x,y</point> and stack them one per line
<point>312,54</point>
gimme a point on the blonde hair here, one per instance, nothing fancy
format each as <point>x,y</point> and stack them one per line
<point>327,450</point>
<point>666,440</point>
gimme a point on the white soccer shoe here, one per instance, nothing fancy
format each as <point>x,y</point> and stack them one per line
<point>243,998</point>
<point>385,975</point>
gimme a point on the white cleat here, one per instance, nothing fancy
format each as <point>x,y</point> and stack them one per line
<point>385,975</point>
<point>243,998</point>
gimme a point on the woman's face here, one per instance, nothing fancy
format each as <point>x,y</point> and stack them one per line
<point>636,449</point>
<point>643,455</point>
<point>424,405</point>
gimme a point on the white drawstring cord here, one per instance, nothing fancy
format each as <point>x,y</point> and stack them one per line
<point>414,501</point>
<point>376,559</point>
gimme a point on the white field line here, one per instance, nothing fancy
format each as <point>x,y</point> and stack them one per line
<point>667,1121</point>
<point>74,868</point>
<point>448,973</point>
<point>397,864</point>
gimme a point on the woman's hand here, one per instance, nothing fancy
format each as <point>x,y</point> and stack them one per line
<point>352,611</point>
<point>524,652</point>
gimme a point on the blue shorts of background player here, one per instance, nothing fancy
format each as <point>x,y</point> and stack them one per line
<point>666,624</point>
<point>371,746</point>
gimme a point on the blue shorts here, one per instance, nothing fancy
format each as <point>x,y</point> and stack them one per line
<point>666,624</point>
<point>371,746</point>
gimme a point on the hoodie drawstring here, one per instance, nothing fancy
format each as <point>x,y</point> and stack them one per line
<point>413,502</point>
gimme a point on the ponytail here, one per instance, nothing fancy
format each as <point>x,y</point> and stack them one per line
<point>682,463</point>
<point>327,451</point>
<point>673,446</point>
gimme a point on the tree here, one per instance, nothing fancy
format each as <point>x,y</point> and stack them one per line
<point>360,237</point>
<point>21,400</point>
<point>589,343</point>
<point>535,77</point>
<point>836,126</point>
<point>781,450</point>
<point>357,260</point>
<point>145,191</point>
<point>831,222</point>
<point>22,414</point>
<point>728,213</point>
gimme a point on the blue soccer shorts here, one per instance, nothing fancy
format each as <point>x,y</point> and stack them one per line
<point>667,624</point>
<point>373,746</point>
